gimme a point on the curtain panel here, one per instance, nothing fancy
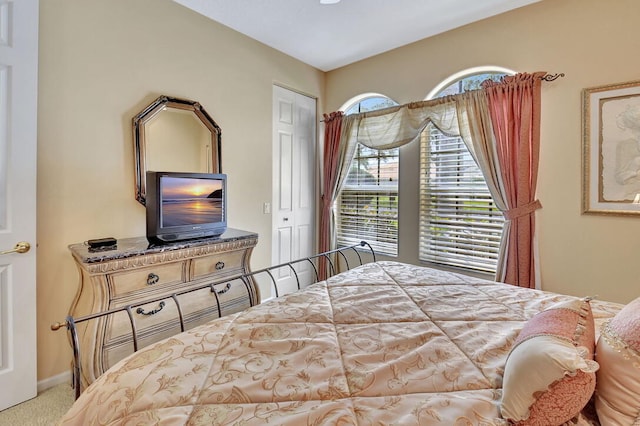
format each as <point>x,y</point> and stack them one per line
<point>333,159</point>
<point>514,106</point>
<point>507,109</point>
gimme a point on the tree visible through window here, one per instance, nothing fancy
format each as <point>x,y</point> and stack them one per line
<point>459,224</point>
<point>367,208</point>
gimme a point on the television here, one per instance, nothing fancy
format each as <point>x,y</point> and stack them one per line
<point>182,206</point>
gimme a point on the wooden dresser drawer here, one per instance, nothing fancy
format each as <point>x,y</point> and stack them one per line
<point>146,279</point>
<point>222,264</point>
<point>198,307</point>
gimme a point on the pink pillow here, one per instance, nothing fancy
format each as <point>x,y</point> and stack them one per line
<point>618,353</point>
<point>549,375</point>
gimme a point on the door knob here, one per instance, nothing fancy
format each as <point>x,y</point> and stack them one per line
<point>21,247</point>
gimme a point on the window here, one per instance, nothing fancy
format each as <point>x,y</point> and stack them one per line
<point>367,208</point>
<point>459,224</point>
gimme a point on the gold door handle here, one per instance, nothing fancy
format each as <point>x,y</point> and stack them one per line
<point>21,247</point>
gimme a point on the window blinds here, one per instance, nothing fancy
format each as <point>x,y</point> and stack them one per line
<point>459,223</point>
<point>367,208</point>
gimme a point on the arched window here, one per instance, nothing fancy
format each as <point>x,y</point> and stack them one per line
<point>367,208</point>
<point>459,224</point>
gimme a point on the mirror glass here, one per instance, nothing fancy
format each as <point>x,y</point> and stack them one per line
<point>174,135</point>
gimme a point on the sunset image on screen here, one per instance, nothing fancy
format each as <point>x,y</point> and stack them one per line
<point>191,201</point>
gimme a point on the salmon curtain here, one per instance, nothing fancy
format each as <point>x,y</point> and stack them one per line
<point>514,107</point>
<point>330,173</point>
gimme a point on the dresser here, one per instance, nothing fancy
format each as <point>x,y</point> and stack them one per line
<point>135,271</point>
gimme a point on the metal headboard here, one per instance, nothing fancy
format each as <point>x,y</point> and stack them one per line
<point>318,262</point>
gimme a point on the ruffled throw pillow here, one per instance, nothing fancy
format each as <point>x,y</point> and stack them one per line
<point>549,375</point>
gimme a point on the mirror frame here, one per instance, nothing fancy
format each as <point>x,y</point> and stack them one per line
<point>140,141</point>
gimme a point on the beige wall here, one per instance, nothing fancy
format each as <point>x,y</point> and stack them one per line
<point>594,43</point>
<point>100,63</point>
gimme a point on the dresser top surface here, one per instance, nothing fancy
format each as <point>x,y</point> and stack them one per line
<point>138,246</point>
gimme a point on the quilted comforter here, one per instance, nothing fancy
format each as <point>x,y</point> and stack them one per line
<point>383,344</point>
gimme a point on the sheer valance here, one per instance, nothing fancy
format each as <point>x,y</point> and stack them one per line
<point>396,126</point>
<point>455,115</point>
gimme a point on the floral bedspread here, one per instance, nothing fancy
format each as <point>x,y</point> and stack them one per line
<point>383,344</point>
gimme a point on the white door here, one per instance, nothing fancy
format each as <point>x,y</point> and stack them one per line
<point>293,206</point>
<point>18,107</point>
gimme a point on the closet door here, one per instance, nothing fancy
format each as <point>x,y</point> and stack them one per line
<point>294,193</point>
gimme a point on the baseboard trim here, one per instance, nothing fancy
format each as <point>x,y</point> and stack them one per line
<point>54,381</point>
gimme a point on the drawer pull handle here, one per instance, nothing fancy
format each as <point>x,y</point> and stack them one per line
<point>152,312</point>
<point>219,266</point>
<point>152,279</point>
<point>223,291</point>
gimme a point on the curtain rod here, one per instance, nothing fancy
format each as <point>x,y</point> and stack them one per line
<point>551,77</point>
<point>546,77</point>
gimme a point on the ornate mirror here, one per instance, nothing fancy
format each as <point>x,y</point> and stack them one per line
<point>174,135</point>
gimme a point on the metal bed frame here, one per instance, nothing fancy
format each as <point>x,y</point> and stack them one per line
<point>321,261</point>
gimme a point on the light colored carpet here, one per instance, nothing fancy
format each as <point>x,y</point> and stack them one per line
<point>44,410</point>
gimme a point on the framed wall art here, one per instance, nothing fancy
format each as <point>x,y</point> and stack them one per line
<point>611,149</point>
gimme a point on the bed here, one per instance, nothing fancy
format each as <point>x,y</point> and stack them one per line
<point>384,343</point>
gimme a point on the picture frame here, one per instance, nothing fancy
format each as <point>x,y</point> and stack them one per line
<point>611,149</point>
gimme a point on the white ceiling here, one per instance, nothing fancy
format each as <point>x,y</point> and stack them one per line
<point>331,36</point>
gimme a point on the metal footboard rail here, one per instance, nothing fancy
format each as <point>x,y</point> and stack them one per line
<point>332,267</point>
<point>319,262</point>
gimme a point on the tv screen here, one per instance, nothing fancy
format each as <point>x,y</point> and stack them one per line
<point>185,205</point>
